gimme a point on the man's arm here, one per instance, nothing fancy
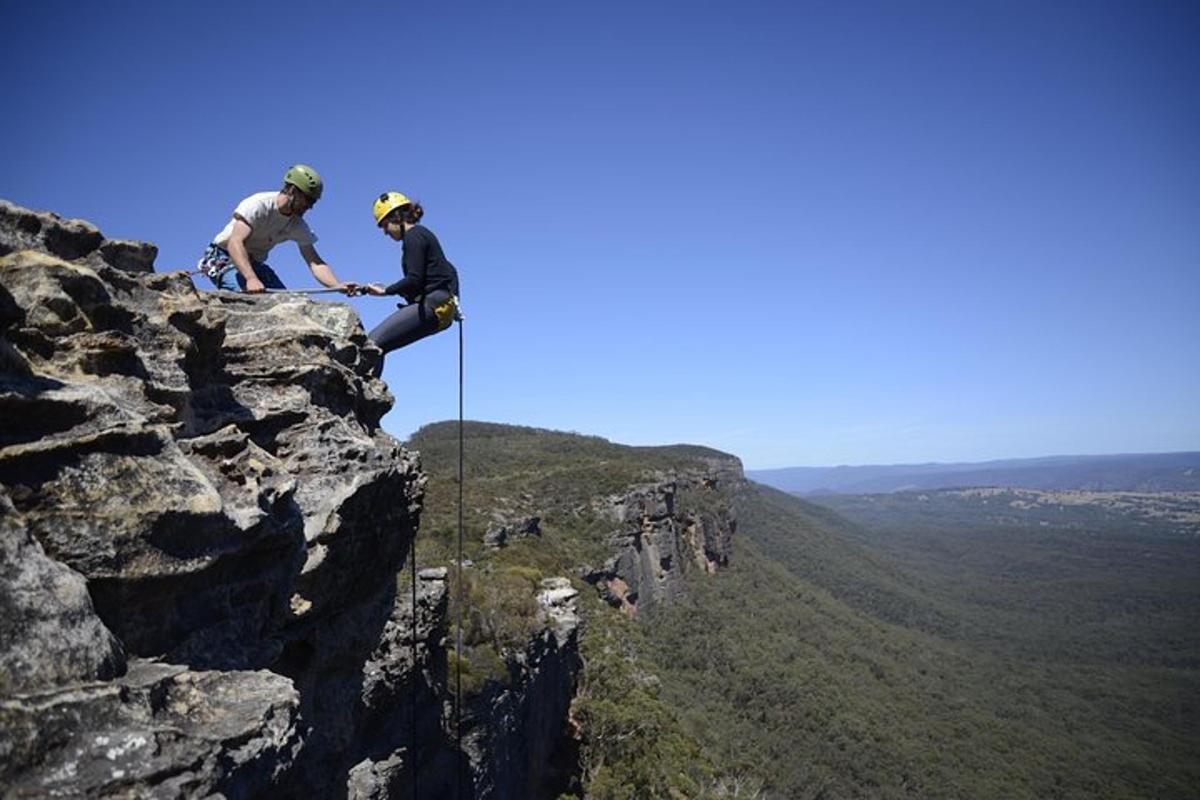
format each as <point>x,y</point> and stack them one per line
<point>238,255</point>
<point>323,272</point>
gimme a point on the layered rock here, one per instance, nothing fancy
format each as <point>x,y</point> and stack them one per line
<point>502,530</point>
<point>679,523</point>
<point>157,731</point>
<point>516,739</point>
<point>49,628</point>
<point>205,534</point>
<point>69,239</point>
<point>513,732</point>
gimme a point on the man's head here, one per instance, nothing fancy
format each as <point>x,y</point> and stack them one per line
<point>303,186</point>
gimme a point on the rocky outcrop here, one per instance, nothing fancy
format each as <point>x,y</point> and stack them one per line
<point>679,523</point>
<point>513,742</point>
<point>502,530</point>
<point>157,731</point>
<point>69,239</point>
<point>205,541</point>
<point>516,739</point>
<point>49,628</point>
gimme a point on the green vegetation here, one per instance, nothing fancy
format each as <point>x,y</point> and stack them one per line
<point>1049,581</point>
<point>634,745</point>
<point>513,471</point>
<point>632,742</point>
<point>833,669</point>
<point>883,648</point>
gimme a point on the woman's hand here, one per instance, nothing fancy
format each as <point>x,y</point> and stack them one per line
<point>375,289</point>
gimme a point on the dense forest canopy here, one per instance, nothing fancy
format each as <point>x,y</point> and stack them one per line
<point>984,644</point>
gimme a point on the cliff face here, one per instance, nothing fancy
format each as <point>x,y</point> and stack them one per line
<point>683,522</point>
<point>205,535</point>
<point>542,678</point>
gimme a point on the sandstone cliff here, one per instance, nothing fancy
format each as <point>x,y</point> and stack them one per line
<point>681,522</point>
<point>205,536</point>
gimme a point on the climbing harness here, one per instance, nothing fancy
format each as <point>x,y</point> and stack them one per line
<point>214,263</point>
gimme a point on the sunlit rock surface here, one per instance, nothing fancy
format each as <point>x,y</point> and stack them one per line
<point>205,539</point>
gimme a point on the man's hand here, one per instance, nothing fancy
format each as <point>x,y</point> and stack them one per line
<point>351,289</point>
<point>254,286</point>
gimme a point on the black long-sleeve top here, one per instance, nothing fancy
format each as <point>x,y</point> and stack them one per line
<point>425,267</point>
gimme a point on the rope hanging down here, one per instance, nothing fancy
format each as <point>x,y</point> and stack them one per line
<point>459,577</point>
<point>412,558</point>
<point>458,603</point>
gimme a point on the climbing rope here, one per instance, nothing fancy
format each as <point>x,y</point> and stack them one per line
<point>326,290</point>
<point>412,559</point>
<point>458,602</point>
<point>459,578</point>
<point>323,290</point>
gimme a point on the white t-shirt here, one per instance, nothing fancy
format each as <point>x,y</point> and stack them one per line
<point>267,226</point>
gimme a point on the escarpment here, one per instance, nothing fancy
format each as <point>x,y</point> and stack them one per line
<point>205,536</point>
<point>664,529</point>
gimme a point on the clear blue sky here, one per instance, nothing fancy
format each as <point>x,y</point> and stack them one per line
<point>806,233</point>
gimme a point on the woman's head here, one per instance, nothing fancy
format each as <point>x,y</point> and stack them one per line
<point>394,212</point>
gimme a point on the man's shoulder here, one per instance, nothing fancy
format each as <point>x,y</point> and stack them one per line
<point>259,203</point>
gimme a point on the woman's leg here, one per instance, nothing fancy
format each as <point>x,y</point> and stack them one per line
<point>402,328</point>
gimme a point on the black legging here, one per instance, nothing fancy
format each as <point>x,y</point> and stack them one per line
<point>407,325</point>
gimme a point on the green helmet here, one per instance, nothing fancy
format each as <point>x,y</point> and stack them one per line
<point>306,179</point>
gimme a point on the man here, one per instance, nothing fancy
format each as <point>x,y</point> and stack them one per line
<point>237,256</point>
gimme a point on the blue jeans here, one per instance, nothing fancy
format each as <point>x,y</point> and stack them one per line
<point>218,266</point>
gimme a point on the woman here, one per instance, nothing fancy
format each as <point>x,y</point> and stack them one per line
<point>430,282</point>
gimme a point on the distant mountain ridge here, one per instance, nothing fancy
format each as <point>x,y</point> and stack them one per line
<point>1145,472</point>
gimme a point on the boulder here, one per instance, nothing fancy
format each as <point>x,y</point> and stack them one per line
<point>69,239</point>
<point>159,731</point>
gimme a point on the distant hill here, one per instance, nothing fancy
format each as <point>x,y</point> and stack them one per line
<point>981,644</point>
<point>1154,472</point>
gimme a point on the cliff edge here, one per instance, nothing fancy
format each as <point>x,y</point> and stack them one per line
<point>205,536</point>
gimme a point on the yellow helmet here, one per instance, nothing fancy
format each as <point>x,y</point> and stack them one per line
<point>387,203</point>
